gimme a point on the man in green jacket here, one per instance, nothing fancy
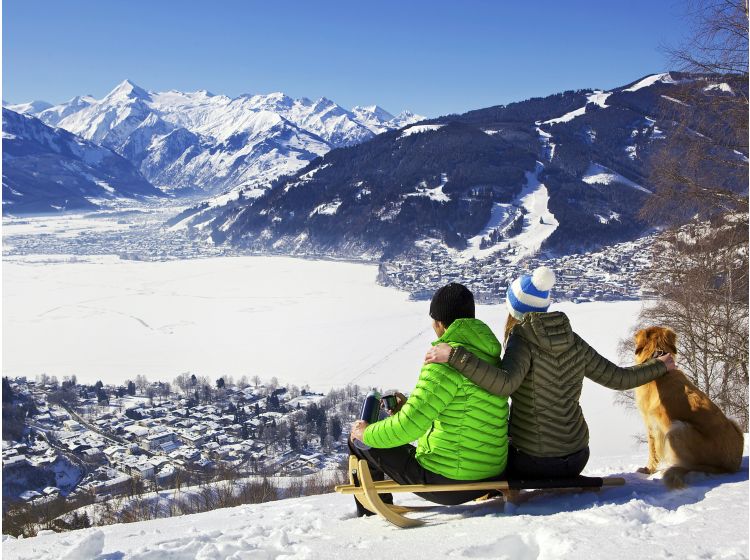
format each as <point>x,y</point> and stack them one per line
<point>462,430</point>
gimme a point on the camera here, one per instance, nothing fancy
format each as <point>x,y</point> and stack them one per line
<point>389,402</point>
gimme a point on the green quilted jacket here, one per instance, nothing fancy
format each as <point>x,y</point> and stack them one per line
<point>543,369</point>
<point>462,429</point>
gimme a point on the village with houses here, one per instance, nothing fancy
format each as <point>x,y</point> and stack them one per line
<point>609,274</point>
<point>94,443</point>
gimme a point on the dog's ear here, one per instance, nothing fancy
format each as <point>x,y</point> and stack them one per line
<point>640,341</point>
<point>670,341</point>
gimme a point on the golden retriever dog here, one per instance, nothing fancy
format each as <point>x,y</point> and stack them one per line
<point>686,431</point>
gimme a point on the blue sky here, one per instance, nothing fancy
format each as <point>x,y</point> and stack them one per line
<point>431,57</point>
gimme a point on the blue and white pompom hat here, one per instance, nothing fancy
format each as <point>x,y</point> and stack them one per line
<point>530,293</point>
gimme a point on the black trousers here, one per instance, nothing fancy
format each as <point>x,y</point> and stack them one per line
<point>401,465</point>
<point>524,466</point>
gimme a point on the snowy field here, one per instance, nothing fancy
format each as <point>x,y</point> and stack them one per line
<point>302,321</point>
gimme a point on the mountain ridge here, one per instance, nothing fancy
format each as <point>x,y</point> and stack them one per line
<point>48,169</point>
<point>222,142</point>
<point>586,154</point>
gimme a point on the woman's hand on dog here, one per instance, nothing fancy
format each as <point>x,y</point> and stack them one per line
<point>668,360</point>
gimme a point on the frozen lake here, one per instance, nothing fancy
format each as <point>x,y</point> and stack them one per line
<point>306,322</point>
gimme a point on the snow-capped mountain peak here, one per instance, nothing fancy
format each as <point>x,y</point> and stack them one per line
<point>373,111</point>
<point>127,90</point>
<point>32,107</point>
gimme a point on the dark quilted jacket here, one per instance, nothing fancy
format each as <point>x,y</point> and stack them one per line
<point>543,369</point>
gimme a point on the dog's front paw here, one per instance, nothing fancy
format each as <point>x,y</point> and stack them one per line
<point>645,470</point>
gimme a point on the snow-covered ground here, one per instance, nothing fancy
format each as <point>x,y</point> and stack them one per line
<point>597,174</point>
<point>418,129</point>
<point>707,521</point>
<point>598,97</point>
<point>650,80</point>
<point>540,223</point>
<point>435,193</point>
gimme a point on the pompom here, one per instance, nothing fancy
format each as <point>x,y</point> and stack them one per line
<point>543,278</point>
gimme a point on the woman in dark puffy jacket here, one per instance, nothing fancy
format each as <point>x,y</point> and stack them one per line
<point>542,370</point>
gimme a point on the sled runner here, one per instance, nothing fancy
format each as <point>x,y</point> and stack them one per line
<point>367,491</point>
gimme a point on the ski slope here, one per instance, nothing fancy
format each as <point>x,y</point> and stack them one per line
<point>538,223</point>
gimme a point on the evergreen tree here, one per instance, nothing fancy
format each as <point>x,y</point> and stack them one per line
<point>293,440</point>
<point>336,428</point>
<point>322,428</point>
<point>7,391</point>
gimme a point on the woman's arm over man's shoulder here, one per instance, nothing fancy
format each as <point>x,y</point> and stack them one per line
<point>499,380</point>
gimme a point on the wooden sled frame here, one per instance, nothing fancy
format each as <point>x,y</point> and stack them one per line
<point>367,491</point>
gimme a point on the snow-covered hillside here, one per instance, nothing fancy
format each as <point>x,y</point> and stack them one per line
<point>47,169</point>
<point>708,520</point>
<point>469,184</point>
<point>206,142</point>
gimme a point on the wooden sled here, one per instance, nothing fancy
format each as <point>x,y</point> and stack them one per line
<point>367,491</point>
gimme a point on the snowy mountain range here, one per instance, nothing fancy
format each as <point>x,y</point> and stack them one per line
<point>48,169</point>
<point>560,173</point>
<point>204,143</point>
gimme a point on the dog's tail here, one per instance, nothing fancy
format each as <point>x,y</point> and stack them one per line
<point>674,476</point>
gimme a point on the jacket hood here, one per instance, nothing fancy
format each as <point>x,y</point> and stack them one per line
<point>551,332</point>
<point>472,334</point>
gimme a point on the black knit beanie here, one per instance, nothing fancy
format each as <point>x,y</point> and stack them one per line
<point>451,302</point>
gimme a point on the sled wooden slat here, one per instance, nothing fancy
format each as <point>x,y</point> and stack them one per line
<point>366,491</point>
<point>389,486</point>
